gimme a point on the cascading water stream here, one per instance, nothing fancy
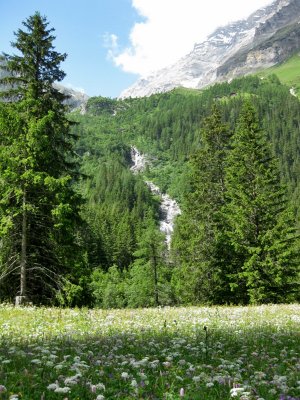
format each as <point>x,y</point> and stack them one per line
<point>168,206</point>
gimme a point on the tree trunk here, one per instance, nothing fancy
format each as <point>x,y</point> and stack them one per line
<point>23,264</point>
<point>154,265</point>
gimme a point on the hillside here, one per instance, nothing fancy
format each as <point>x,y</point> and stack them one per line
<point>287,72</point>
<point>168,126</point>
<point>123,215</point>
<point>122,258</point>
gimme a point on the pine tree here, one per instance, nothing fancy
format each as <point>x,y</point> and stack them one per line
<point>38,206</point>
<point>198,241</point>
<point>148,285</point>
<point>260,227</point>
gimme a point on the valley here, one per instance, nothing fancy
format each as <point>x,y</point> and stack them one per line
<point>169,196</point>
<point>150,244</point>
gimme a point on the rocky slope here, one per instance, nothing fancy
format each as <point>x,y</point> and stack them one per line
<point>76,100</point>
<point>266,38</point>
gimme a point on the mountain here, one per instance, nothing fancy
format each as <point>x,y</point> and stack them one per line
<point>266,38</point>
<point>76,99</point>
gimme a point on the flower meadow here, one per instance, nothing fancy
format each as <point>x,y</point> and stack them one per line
<point>205,353</point>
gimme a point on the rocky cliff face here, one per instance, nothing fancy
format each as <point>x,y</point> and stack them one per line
<point>273,42</point>
<point>267,37</point>
<point>76,101</point>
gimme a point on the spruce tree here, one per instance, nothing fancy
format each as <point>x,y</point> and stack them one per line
<point>260,227</point>
<point>199,245</point>
<point>39,206</point>
<point>148,285</point>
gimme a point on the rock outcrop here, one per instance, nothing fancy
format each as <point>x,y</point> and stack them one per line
<point>267,37</point>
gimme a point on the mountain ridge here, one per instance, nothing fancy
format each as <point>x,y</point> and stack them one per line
<point>236,49</point>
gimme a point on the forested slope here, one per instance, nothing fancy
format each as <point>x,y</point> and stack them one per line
<point>168,126</point>
<point>120,210</point>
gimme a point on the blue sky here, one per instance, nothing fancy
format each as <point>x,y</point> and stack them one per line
<point>110,43</point>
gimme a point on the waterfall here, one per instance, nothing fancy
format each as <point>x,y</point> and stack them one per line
<point>169,209</point>
<point>139,160</point>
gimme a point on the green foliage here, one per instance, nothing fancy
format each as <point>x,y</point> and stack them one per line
<point>235,241</point>
<point>166,126</point>
<point>197,244</point>
<point>39,207</point>
<point>170,127</point>
<point>109,289</point>
<point>117,203</point>
<point>260,229</point>
<point>103,246</point>
<point>101,105</point>
<point>148,285</point>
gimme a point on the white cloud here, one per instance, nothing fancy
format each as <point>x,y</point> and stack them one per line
<point>110,41</point>
<point>171,29</point>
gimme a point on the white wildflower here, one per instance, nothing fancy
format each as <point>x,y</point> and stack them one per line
<point>245,396</point>
<point>49,364</point>
<point>36,361</point>
<point>52,386</point>
<point>134,383</point>
<point>234,392</point>
<point>196,378</point>
<point>100,386</point>
<point>2,389</point>
<point>273,391</point>
<point>65,389</point>
<point>72,380</point>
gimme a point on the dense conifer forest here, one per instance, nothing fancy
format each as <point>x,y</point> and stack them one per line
<point>78,228</point>
<point>190,138</point>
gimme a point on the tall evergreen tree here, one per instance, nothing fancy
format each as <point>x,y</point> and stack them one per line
<point>260,227</point>
<point>38,205</point>
<point>198,238</point>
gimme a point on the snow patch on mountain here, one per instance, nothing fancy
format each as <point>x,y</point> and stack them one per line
<point>202,66</point>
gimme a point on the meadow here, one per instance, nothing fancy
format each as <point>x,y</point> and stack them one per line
<point>287,72</point>
<point>193,353</point>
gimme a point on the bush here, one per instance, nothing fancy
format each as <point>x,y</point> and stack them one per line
<point>108,288</point>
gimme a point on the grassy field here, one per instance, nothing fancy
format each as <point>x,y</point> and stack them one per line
<point>165,353</point>
<point>287,72</point>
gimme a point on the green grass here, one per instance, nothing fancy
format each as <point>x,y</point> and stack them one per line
<point>287,72</point>
<point>187,91</point>
<point>165,353</point>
